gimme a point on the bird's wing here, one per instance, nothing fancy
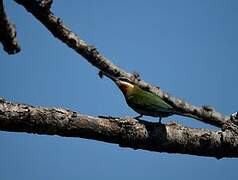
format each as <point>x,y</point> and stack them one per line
<point>149,102</point>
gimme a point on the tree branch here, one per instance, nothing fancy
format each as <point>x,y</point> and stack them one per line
<point>8,33</point>
<point>92,55</point>
<point>127,132</point>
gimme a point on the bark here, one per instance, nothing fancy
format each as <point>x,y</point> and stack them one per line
<point>126,132</point>
<point>8,33</point>
<point>92,55</point>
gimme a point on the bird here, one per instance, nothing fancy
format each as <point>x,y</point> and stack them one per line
<point>142,101</point>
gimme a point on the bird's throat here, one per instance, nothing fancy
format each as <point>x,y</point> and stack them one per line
<point>125,87</point>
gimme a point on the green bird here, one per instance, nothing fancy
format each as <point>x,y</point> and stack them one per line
<point>142,101</point>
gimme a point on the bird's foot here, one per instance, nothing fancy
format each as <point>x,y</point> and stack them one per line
<point>160,118</point>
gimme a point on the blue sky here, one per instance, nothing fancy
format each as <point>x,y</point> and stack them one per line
<point>188,48</point>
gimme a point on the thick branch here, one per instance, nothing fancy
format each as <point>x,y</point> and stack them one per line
<point>8,33</point>
<point>92,55</point>
<point>127,132</point>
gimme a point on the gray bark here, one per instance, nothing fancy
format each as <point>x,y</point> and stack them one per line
<point>126,132</point>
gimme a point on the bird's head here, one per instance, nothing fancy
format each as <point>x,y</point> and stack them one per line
<point>125,84</point>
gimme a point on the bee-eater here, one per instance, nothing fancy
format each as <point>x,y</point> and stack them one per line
<point>143,101</point>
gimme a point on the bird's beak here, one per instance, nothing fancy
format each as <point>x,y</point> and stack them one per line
<point>116,80</point>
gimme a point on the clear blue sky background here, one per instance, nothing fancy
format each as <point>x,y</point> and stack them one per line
<point>188,48</point>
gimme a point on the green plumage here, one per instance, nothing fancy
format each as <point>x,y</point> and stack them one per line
<point>147,103</point>
<point>142,101</point>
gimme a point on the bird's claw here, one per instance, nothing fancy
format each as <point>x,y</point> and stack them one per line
<point>160,118</point>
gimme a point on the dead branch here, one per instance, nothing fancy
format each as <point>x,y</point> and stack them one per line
<point>8,35</point>
<point>126,132</point>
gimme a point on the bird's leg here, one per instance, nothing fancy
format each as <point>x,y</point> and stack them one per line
<point>160,118</point>
<point>138,117</point>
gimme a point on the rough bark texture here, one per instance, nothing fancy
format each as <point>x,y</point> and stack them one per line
<point>92,55</point>
<point>8,33</point>
<point>127,132</point>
